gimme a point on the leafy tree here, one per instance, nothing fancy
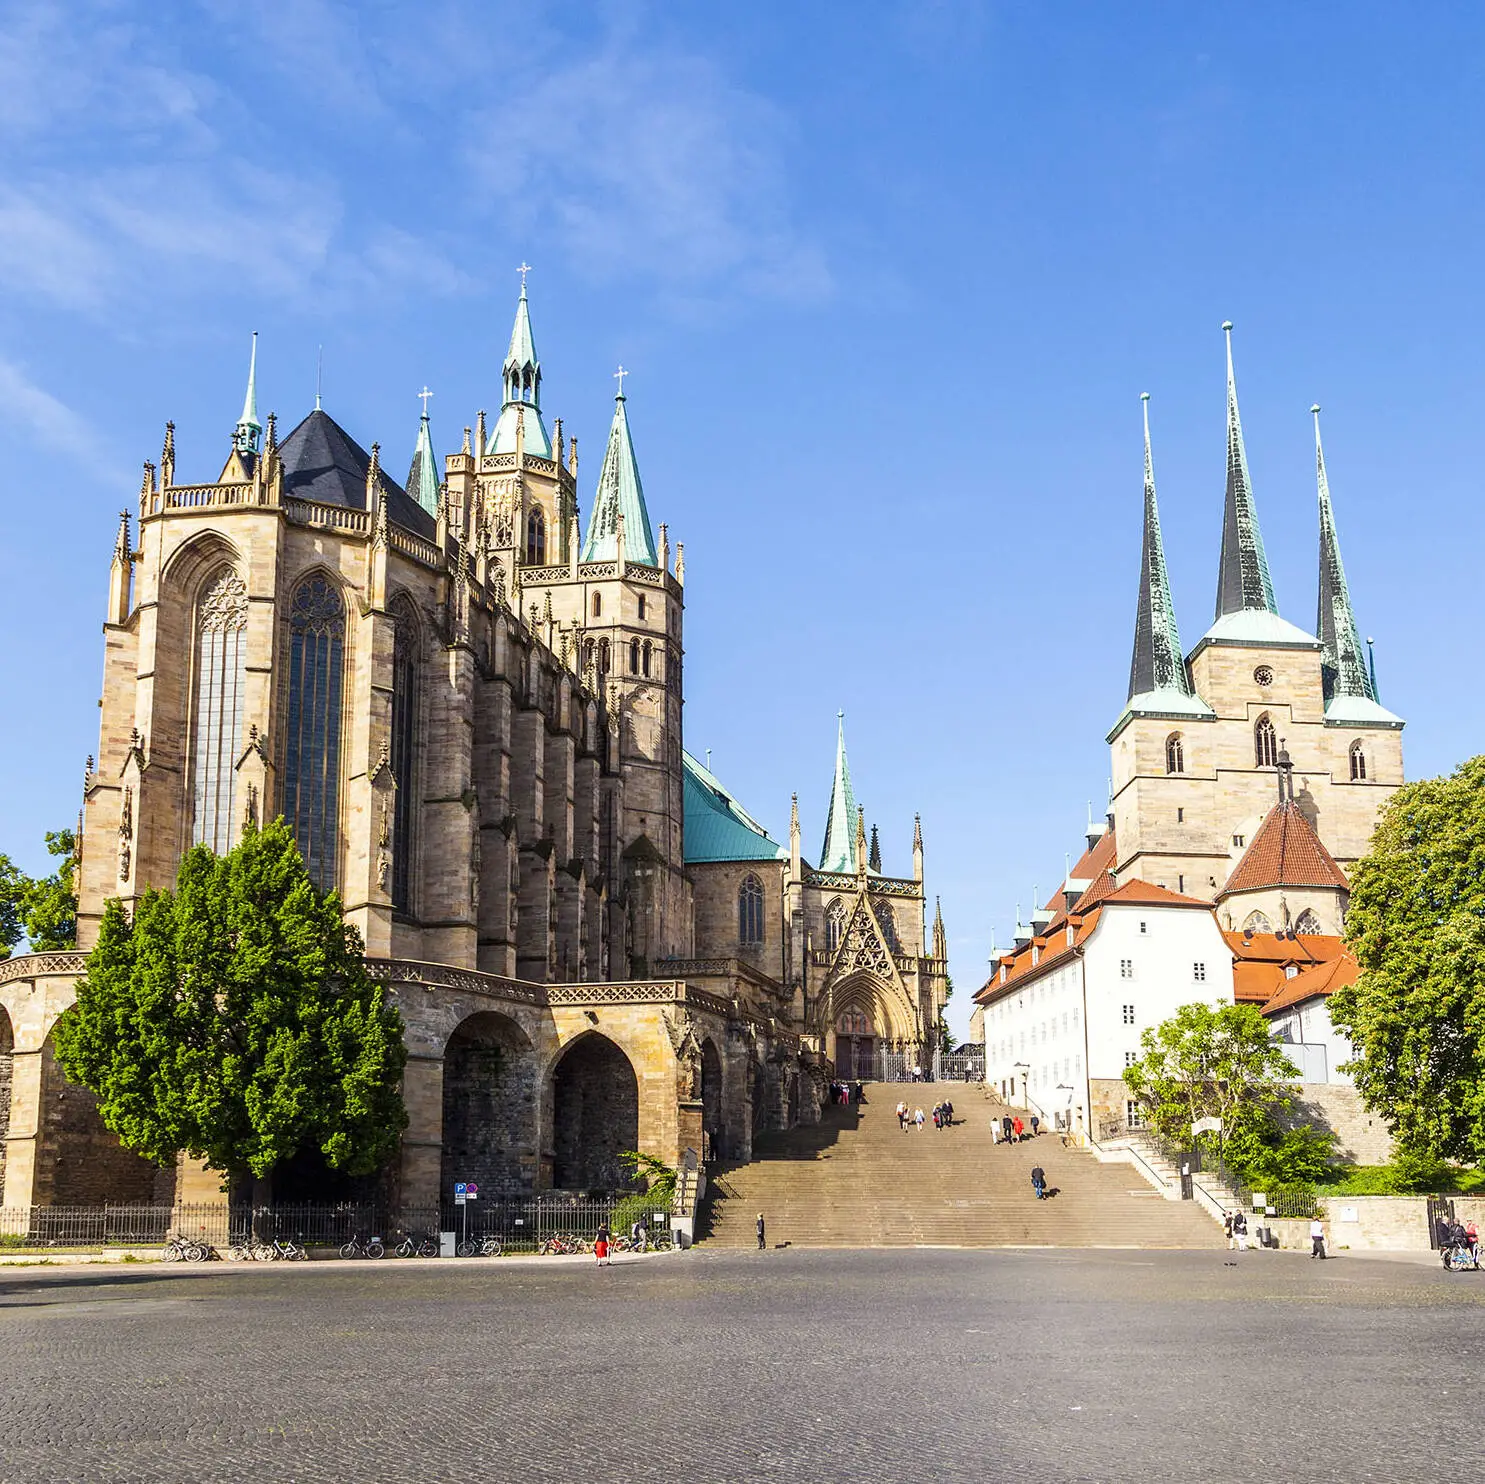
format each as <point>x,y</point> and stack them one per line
<point>659,1181</point>
<point>1211,1061</point>
<point>13,884</point>
<point>234,1019</point>
<point>1416,923</point>
<point>51,902</point>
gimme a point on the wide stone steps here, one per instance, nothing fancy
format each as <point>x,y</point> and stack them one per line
<point>856,1180</point>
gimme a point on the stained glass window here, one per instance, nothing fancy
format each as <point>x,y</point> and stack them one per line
<point>312,751</point>
<point>221,634</point>
<point>750,910</point>
<point>404,729</point>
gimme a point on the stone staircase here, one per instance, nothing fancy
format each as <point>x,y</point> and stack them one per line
<point>855,1180</point>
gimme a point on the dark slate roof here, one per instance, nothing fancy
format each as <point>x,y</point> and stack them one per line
<point>323,462</point>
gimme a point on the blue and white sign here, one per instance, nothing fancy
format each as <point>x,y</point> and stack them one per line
<point>461,1193</point>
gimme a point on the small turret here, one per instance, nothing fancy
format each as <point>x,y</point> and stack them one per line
<point>167,458</point>
<point>422,476</point>
<point>940,938</point>
<point>918,848</point>
<point>794,854</point>
<point>249,430</point>
<point>861,842</point>
<point>874,855</point>
<point>120,574</point>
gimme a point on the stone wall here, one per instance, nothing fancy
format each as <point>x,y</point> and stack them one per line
<point>1363,1138</point>
<point>490,1093</point>
<point>595,1116</point>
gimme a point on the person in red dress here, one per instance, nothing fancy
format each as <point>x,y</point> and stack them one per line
<point>600,1247</point>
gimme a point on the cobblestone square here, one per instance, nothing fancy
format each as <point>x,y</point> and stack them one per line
<point>786,1365</point>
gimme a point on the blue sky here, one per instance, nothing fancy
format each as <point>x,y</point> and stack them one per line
<point>889,288</point>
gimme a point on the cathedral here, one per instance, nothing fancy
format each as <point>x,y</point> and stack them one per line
<point>468,709</point>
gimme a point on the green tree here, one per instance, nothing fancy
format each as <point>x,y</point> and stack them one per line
<point>1211,1061</point>
<point>13,885</point>
<point>50,904</point>
<point>234,1020</point>
<point>1416,923</point>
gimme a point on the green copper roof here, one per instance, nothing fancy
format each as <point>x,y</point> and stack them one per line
<point>620,493</point>
<point>1343,668</point>
<point>1242,576</point>
<point>717,827</point>
<point>422,477</point>
<point>838,853</point>
<point>503,440</point>
<point>522,352</point>
<point>521,394</point>
<point>249,429</point>
<point>1157,670</point>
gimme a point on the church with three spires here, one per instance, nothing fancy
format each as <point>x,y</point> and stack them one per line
<point>468,709</point>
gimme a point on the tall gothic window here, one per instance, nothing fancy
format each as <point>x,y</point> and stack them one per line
<point>1265,743</point>
<point>603,658</point>
<point>597,605</point>
<point>1175,754</point>
<point>750,911</point>
<point>835,924</point>
<point>404,732</point>
<point>536,539</point>
<point>312,756</point>
<point>889,926</point>
<point>1358,763</point>
<point>647,656</point>
<point>221,642</point>
<point>634,656</point>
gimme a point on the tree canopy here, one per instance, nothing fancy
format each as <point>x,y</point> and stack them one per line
<point>1416,923</point>
<point>233,1019</point>
<point>43,909</point>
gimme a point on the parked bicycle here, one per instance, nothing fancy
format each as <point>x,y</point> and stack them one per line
<point>1461,1257</point>
<point>371,1247</point>
<point>416,1244</point>
<point>564,1246</point>
<point>479,1247</point>
<point>185,1249</point>
<point>286,1249</point>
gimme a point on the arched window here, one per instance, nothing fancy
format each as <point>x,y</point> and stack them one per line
<point>889,925</point>
<point>641,607</point>
<point>603,657</point>
<point>634,656</point>
<point>597,605</point>
<point>1175,754</point>
<point>1257,922</point>
<point>835,924</point>
<point>536,539</point>
<point>312,751</point>
<point>404,751</point>
<point>1265,743</point>
<point>1358,763</point>
<point>1308,924</point>
<point>750,911</point>
<point>221,662</point>
<point>645,660</point>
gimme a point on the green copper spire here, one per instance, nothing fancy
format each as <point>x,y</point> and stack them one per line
<point>1343,667</point>
<point>620,493</point>
<point>249,429</point>
<point>521,395</point>
<point>839,850</point>
<point>1242,576</point>
<point>1157,671</point>
<point>422,477</point>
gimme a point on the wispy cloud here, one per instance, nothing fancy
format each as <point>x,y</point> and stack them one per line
<point>55,427</point>
<point>652,163</point>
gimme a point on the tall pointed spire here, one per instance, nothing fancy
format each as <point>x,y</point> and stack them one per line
<point>1158,665</point>
<point>1343,666</point>
<point>1243,580</point>
<point>249,429</point>
<point>838,852</point>
<point>422,477</point>
<point>620,493</point>
<point>521,383</point>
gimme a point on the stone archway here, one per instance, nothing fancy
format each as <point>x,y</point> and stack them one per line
<point>489,1106</point>
<point>595,1115</point>
<point>712,1115</point>
<point>79,1161</point>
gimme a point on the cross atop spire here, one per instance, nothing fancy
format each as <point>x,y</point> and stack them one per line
<point>523,270</point>
<point>249,430</point>
<point>619,376</point>
<point>1243,580</point>
<point>1343,667</point>
<point>424,395</point>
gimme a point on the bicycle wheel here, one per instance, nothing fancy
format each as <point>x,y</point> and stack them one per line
<point>172,1252</point>
<point>375,1249</point>
<point>465,1249</point>
<point>490,1247</point>
<point>351,1249</point>
<point>427,1248</point>
<point>195,1252</point>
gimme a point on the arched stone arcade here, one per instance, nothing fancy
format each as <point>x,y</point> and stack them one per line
<point>595,1115</point>
<point>712,1098</point>
<point>490,1097</point>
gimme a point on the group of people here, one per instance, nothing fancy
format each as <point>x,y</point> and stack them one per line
<point>1010,1129</point>
<point>845,1093</point>
<point>943,1116</point>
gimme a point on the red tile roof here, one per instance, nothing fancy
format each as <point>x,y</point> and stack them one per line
<point>1318,979</point>
<point>1286,851</point>
<point>1260,961</point>
<point>1156,896</point>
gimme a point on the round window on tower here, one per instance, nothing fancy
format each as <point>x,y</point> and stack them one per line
<point>1263,675</point>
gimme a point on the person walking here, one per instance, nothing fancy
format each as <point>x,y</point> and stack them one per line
<point>1036,1124</point>
<point>1317,1239</point>
<point>759,1227</point>
<point>1007,1129</point>
<point>600,1247</point>
<point>917,1072</point>
<point>1240,1231</point>
<point>918,1119</point>
<point>1018,1129</point>
<point>1039,1182</point>
<point>902,1115</point>
<point>1229,1227</point>
<point>995,1130</point>
<point>948,1113</point>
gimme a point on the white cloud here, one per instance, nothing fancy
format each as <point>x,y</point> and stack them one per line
<point>55,427</point>
<point>652,164</point>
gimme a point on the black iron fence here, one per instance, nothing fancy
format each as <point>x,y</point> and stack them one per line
<point>521,1224</point>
